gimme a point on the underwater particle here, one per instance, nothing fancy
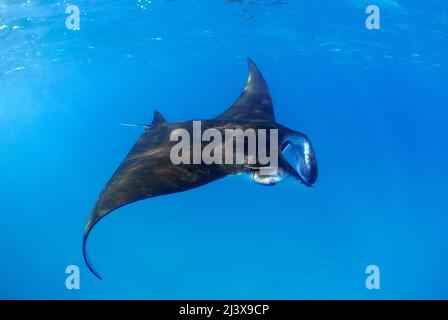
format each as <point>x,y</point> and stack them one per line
<point>246,16</point>
<point>142,4</point>
<point>4,26</point>
<point>14,70</point>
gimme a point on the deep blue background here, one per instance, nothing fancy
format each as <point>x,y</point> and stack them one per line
<point>373,102</point>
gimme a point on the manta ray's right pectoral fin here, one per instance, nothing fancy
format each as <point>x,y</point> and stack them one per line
<point>254,103</point>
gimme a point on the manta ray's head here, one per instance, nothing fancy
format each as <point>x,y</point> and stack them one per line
<point>298,152</point>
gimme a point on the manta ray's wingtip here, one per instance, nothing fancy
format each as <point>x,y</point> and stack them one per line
<point>250,60</point>
<point>86,257</point>
<point>251,64</point>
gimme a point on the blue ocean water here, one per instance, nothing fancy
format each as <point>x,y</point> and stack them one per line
<point>373,102</point>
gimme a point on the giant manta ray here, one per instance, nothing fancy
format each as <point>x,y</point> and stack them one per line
<point>147,171</point>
